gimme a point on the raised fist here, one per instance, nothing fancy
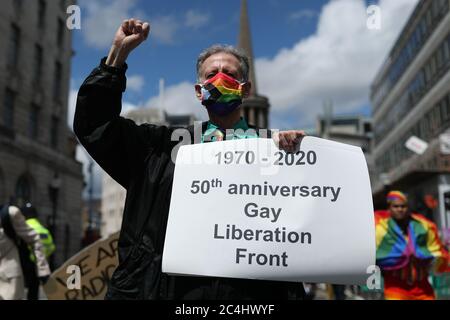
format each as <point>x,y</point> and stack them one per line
<point>130,34</point>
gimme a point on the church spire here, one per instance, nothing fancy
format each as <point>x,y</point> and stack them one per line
<point>245,43</point>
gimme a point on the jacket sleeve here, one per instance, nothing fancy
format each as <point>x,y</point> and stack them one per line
<point>31,237</point>
<point>117,144</point>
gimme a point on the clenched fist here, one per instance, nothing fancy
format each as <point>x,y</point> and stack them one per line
<point>130,34</point>
<point>289,141</point>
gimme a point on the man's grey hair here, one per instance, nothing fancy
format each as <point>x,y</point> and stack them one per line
<point>221,48</point>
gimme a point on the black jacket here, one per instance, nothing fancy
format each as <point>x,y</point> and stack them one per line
<point>139,158</point>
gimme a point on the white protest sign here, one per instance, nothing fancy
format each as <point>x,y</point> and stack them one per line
<point>445,143</point>
<point>249,210</point>
<point>416,145</point>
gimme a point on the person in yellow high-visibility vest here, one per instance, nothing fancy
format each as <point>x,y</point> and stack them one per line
<point>45,235</point>
<point>29,267</point>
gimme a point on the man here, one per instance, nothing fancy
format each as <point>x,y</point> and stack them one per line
<point>139,158</point>
<point>408,246</point>
<point>12,227</point>
<point>29,261</point>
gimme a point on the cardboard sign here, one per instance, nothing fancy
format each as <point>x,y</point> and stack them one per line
<point>245,209</point>
<point>95,264</point>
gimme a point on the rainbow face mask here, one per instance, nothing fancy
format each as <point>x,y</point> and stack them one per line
<point>222,94</point>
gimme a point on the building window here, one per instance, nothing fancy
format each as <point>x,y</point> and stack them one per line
<point>436,120</point>
<point>8,111</point>
<point>447,50</point>
<point>429,19</point>
<point>61,27</point>
<point>14,47</point>
<point>402,56</point>
<point>2,188</point>
<point>440,58</point>
<point>443,110</point>
<point>433,66</point>
<point>33,126</point>
<point>23,190</point>
<point>435,8</point>
<point>18,6</point>
<point>447,105</point>
<point>57,82</point>
<point>54,132</point>
<point>41,13</point>
<point>38,61</point>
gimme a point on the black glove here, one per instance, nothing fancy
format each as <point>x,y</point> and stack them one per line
<point>44,279</point>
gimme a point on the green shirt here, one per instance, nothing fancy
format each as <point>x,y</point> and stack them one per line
<point>241,130</point>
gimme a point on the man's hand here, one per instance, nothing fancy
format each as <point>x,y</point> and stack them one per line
<point>130,35</point>
<point>288,141</point>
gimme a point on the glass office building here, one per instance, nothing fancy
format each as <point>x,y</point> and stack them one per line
<point>411,97</point>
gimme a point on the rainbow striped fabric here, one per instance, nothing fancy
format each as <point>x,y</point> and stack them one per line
<point>395,249</point>
<point>222,91</point>
<point>396,195</point>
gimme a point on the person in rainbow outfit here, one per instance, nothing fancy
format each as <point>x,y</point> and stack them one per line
<point>408,248</point>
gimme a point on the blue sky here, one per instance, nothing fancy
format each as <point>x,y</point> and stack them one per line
<point>275,24</point>
<point>306,51</point>
<point>188,27</point>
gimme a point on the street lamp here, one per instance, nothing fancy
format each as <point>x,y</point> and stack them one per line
<point>53,191</point>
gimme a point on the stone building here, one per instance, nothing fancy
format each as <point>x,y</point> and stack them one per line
<point>37,149</point>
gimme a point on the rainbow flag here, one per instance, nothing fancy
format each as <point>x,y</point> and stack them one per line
<point>395,249</point>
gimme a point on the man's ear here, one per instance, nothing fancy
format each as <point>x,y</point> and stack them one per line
<point>198,92</point>
<point>246,89</point>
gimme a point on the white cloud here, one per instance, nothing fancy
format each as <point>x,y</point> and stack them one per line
<point>127,106</point>
<point>102,18</point>
<point>72,104</point>
<point>135,83</point>
<point>339,61</point>
<point>195,19</point>
<point>180,99</point>
<point>164,28</point>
